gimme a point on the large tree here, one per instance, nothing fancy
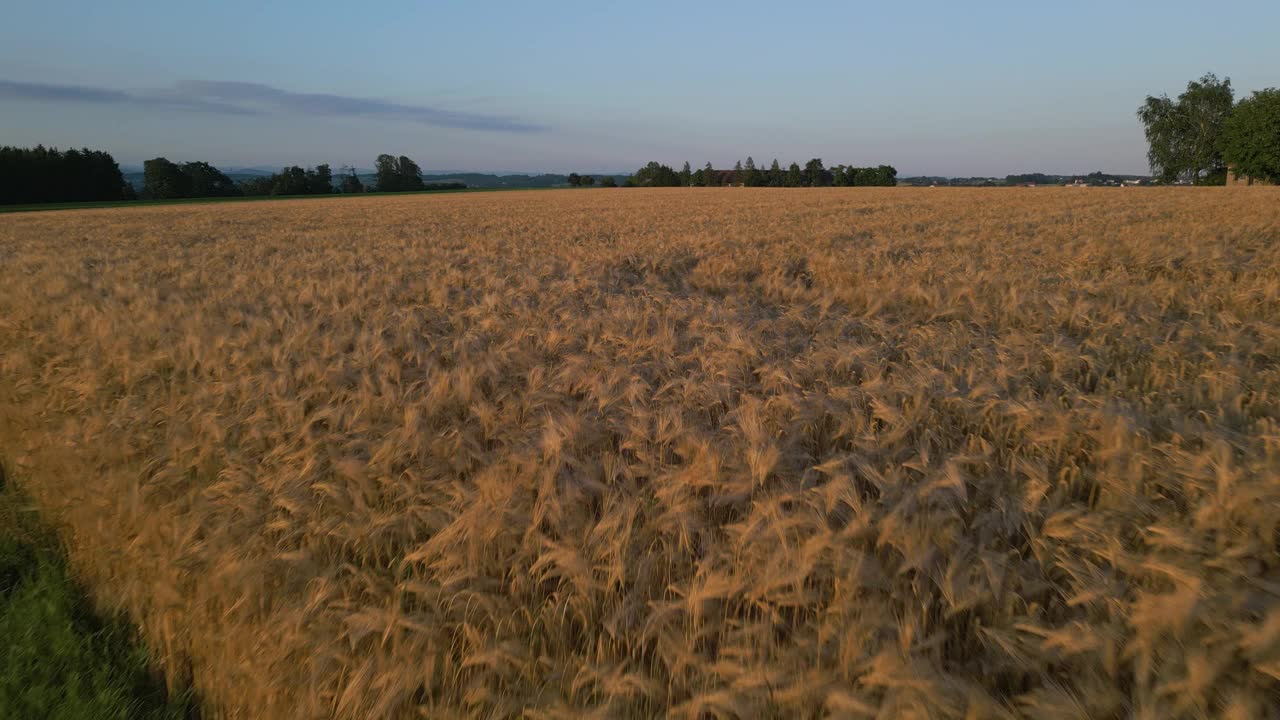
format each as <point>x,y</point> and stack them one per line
<point>1185,135</point>
<point>794,177</point>
<point>751,175</point>
<point>814,174</point>
<point>386,177</point>
<point>1251,139</point>
<point>397,174</point>
<point>208,181</point>
<point>654,175</point>
<point>320,180</point>
<point>164,180</point>
<point>292,180</point>
<point>410,174</point>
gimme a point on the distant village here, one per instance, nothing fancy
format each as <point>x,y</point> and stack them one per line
<point>1095,179</point>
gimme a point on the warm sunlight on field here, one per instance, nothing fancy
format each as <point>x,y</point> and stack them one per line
<point>746,453</point>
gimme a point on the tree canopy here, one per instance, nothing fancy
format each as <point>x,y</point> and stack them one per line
<point>1251,139</point>
<point>795,176</point>
<point>292,180</point>
<point>397,174</point>
<point>164,180</point>
<point>750,175</point>
<point>1185,135</point>
<point>814,174</point>
<point>40,174</point>
<point>208,181</point>
<point>654,175</point>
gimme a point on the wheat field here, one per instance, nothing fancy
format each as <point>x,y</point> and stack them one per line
<point>863,453</point>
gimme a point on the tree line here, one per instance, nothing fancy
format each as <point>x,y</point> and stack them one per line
<point>41,174</point>
<point>813,174</point>
<point>1196,137</point>
<point>166,180</point>
<point>576,180</point>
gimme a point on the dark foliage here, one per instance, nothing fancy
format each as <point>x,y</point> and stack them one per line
<point>40,174</point>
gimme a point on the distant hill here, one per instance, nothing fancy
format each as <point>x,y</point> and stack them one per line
<point>491,180</point>
<point>1093,178</point>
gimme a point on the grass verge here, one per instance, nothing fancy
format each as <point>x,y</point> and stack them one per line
<point>58,659</point>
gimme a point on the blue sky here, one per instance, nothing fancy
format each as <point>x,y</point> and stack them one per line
<point>930,87</point>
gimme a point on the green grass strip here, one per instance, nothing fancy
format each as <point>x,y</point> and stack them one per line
<point>58,659</point>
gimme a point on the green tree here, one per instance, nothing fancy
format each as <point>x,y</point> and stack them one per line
<point>350,182</point>
<point>608,181</point>
<point>164,180</point>
<point>709,176</point>
<point>587,180</point>
<point>386,174</point>
<point>205,180</point>
<point>320,180</point>
<point>291,181</point>
<point>751,177</point>
<point>40,174</point>
<point>655,175</point>
<point>814,174</point>
<point>575,179</point>
<point>686,175</point>
<point>294,180</point>
<point>410,174</point>
<point>1184,136</point>
<point>775,176</point>
<point>736,178</point>
<point>1251,139</point>
<point>795,178</point>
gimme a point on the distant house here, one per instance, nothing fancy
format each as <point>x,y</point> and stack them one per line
<point>1242,180</point>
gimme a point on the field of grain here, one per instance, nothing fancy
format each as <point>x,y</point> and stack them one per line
<point>697,453</point>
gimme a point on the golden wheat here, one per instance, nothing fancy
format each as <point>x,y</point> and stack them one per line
<point>732,453</point>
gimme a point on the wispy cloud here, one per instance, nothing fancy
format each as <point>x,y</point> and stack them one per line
<point>246,98</point>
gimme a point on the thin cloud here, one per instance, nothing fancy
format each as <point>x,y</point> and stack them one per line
<point>246,98</point>
<point>344,105</point>
<point>80,93</point>
<point>77,93</point>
